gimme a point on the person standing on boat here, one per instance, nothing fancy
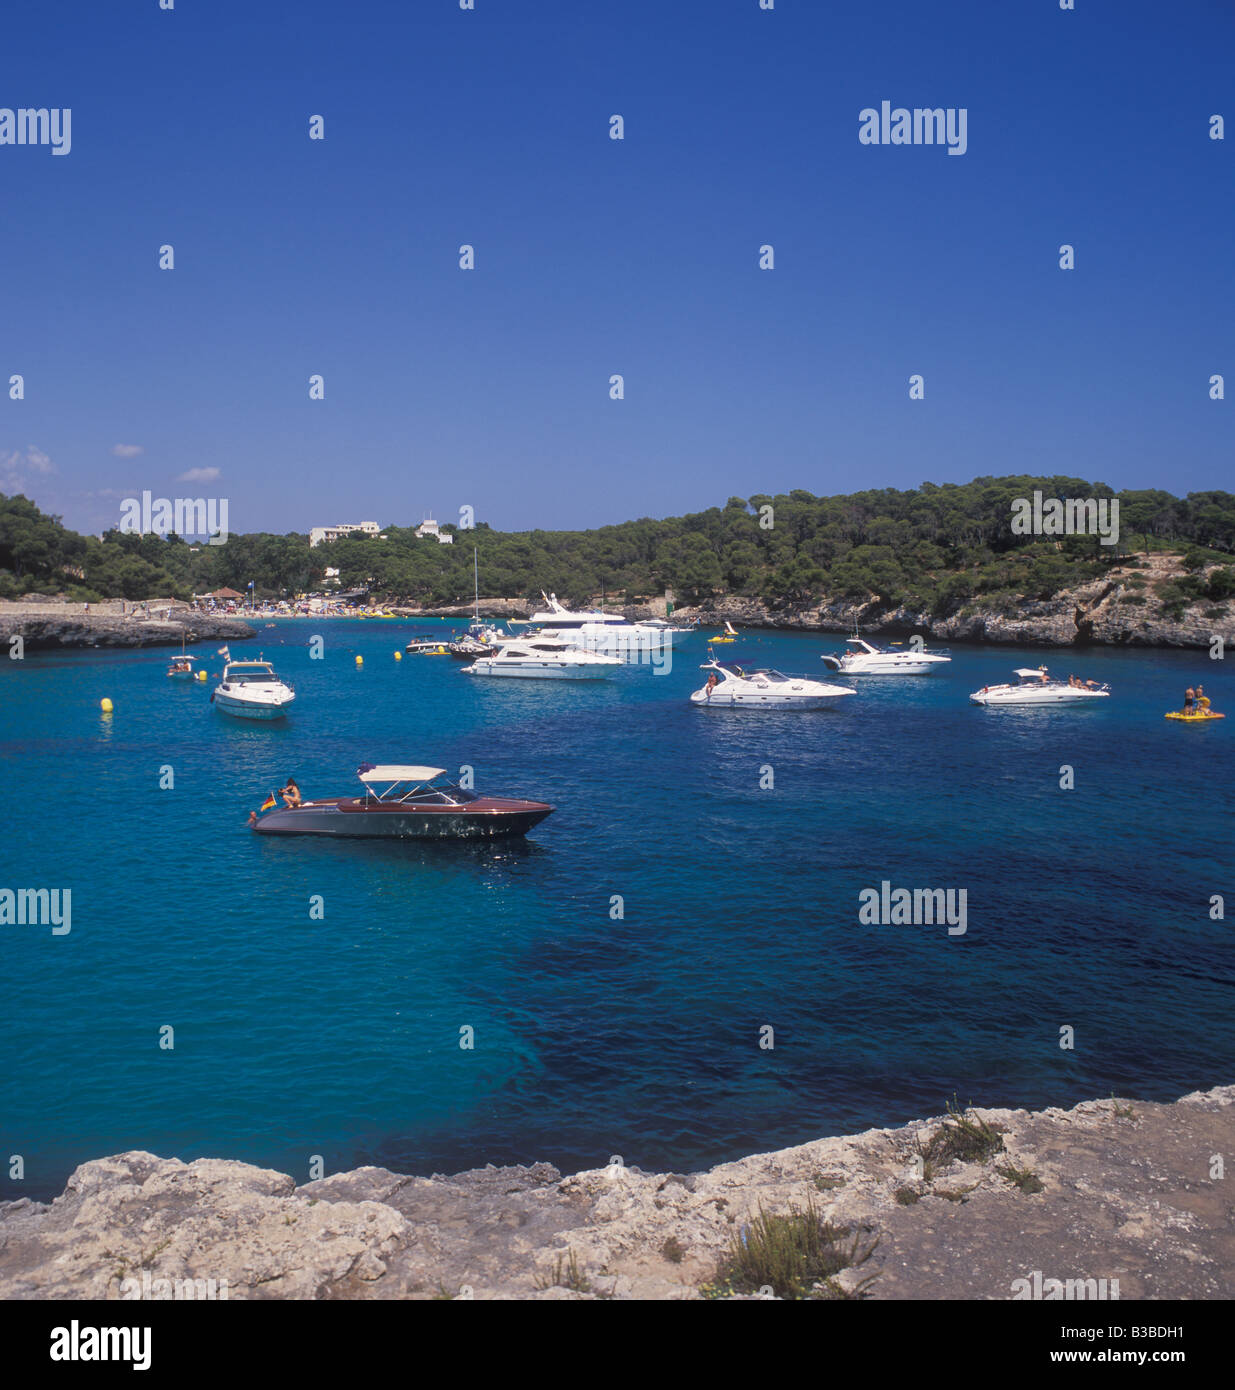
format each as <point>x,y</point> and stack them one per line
<point>1189,699</point>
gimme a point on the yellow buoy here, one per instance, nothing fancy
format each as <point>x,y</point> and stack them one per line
<point>360,661</point>
<point>398,656</point>
<point>201,675</point>
<point>106,705</point>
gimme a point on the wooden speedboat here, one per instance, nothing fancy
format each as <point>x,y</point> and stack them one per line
<point>402,802</point>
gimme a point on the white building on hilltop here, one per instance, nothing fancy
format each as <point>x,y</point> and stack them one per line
<point>318,534</point>
<point>429,527</point>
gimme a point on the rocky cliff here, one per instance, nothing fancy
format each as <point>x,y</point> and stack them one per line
<point>1108,1190</point>
<point>1122,608</point>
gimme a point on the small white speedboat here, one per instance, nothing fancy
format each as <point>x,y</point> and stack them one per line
<point>542,658</point>
<point>866,659</point>
<point>734,685</point>
<point>251,690</point>
<point>1035,687</point>
<point>429,645</point>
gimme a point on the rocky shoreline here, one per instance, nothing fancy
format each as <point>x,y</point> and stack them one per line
<point>1109,1190</point>
<point>1121,609</point>
<point>50,628</point>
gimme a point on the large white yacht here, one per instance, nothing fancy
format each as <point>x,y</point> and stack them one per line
<point>543,657</point>
<point>251,690</point>
<point>735,685</point>
<point>599,631</point>
<point>866,659</point>
<point>1035,687</point>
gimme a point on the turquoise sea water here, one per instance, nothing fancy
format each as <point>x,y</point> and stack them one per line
<point>593,1036</point>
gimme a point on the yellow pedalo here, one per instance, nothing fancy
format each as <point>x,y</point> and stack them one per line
<point>1202,716</point>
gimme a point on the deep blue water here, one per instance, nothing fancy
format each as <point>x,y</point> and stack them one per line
<point>594,1036</point>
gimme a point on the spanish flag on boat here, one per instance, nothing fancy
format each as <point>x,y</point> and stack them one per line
<point>269,802</point>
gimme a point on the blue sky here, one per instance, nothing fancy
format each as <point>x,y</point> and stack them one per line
<point>490,387</point>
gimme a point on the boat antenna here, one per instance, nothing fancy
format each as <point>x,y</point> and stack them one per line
<point>476,578</point>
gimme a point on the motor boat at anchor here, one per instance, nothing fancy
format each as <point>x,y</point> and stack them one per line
<point>426,644</point>
<point>468,648</point>
<point>736,685</point>
<point>867,659</point>
<point>251,690</point>
<point>542,657</point>
<point>480,639</point>
<point>1035,687</point>
<point>402,802</point>
<point>612,634</point>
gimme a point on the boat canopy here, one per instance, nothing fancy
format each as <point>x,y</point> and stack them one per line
<point>1035,671</point>
<point>397,772</point>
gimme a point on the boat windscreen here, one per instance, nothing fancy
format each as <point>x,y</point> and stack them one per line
<point>423,793</point>
<point>440,796</point>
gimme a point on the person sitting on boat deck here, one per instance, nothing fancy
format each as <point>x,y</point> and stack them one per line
<point>1074,681</point>
<point>1042,676</point>
<point>712,682</point>
<point>290,793</point>
<point>1189,699</point>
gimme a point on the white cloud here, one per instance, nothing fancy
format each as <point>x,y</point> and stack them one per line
<point>17,468</point>
<point>127,451</point>
<point>199,475</point>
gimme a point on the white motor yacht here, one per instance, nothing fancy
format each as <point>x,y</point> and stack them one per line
<point>866,659</point>
<point>251,690</point>
<point>542,657</point>
<point>599,631</point>
<point>1035,687</point>
<point>734,685</point>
